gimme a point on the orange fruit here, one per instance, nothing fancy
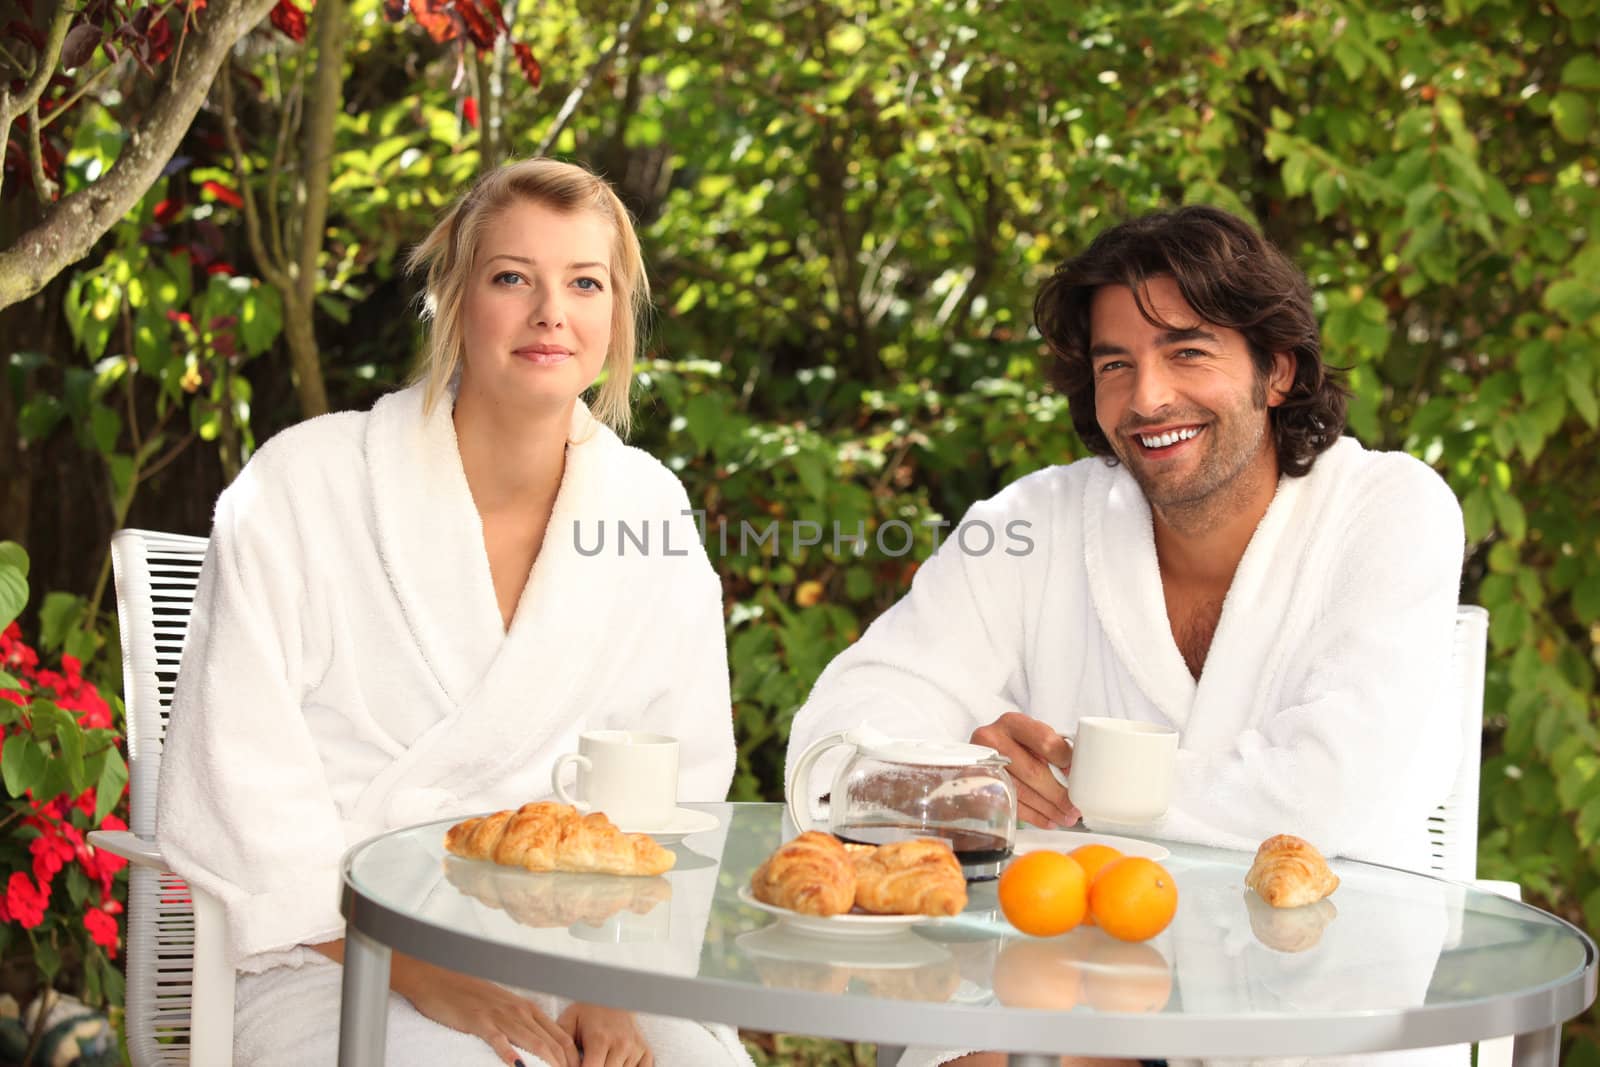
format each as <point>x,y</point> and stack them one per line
<point>1133,898</point>
<point>1044,893</point>
<point>1091,858</point>
<point>1037,974</point>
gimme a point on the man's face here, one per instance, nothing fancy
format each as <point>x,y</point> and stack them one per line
<point>1184,409</point>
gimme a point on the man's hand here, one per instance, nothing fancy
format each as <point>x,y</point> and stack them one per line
<point>608,1037</point>
<point>474,1006</point>
<point>1033,748</point>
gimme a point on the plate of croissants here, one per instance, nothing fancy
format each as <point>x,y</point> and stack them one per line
<point>818,884</point>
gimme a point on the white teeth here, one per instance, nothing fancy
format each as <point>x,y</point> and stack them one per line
<point>1171,437</point>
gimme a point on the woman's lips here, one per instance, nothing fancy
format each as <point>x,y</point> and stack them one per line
<point>543,355</point>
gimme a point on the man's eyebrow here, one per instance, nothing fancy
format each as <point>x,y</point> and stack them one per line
<point>587,264</point>
<point>1168,337</point>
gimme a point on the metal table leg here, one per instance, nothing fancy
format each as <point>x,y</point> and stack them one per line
<point>1032,1059</point>
<point>364,1002</point>
<point>889,1055</point>
<point>1542,1048</point>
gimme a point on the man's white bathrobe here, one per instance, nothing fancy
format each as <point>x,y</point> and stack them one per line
<point>347,671</point>
<point>1326,707</point>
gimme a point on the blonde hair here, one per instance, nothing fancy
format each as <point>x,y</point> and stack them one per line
<point>448,252</point>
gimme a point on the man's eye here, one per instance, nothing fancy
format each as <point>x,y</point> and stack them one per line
<point>1110,365</point>
<point>1193,353</point>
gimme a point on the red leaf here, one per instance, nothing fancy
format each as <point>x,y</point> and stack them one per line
<point>289,20</point>
<point>491,8</point>
<point>469,111</point>
<point>222,193</point>
<point>165,211</point>
<point>158,42</point>
<point>436,16</point>
<point>530,66</point>
<point>80,44</point>
<point>479,28</point>
<point>24,32</point>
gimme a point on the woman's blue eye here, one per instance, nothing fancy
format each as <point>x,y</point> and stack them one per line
<point>500,279</point>
<point>591,285</point>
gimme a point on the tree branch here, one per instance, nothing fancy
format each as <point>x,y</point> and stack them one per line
<point>43,187</point>
<point>625,34</point>
<point>73,225</point>
<point>272,269</point>
<point>44,65</point>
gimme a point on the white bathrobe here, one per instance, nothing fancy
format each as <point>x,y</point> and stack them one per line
<point>347,671</point>
<point>1326,707</point>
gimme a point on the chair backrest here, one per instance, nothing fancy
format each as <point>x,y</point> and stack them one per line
<point>156,575</point>
<point>1453,827</point>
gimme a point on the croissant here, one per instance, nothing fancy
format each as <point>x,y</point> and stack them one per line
<point>1289,872</point>
<point>546,836</point>
<point>920,876</point>
<point>811,874</point>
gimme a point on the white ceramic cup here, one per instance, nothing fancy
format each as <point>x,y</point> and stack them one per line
<point>630,775</point>
<point>1122,771</point>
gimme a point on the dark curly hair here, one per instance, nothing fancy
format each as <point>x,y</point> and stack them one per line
<point>1232,277</point>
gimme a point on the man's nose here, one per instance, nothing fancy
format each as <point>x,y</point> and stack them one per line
<point>1152,388</point>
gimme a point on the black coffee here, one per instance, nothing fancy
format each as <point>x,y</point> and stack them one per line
<point>970,846</point>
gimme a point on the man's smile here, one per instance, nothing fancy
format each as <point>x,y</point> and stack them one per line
<point>1166,441</point>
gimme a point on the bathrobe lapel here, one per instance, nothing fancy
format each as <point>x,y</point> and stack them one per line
<point>514,693</point>
<point>1125,585</point>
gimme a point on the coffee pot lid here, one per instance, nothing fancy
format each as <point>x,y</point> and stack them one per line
<point>924,751</point>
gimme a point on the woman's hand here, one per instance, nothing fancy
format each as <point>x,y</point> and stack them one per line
<point>481,1008</point>
<point>608,1037</point>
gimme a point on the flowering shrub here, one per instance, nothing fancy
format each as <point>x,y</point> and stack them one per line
<point>62,776</point>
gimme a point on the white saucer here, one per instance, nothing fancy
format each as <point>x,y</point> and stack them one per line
<point>684,821</point>
<point>1030,839</point>
<point>853,924</point>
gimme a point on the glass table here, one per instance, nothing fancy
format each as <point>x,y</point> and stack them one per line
<point>1392,960</point>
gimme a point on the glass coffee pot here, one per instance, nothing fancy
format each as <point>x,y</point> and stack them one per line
<point>889,789</point>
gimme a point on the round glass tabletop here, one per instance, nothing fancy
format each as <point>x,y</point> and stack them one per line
<point>1391,960</point>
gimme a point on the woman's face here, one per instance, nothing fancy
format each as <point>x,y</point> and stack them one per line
<point>536,315</point>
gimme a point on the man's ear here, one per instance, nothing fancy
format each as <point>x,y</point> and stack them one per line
<point>1281,380</point>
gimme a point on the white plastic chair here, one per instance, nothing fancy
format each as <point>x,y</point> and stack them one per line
<point>180,987</point>
<point>1453,827</point>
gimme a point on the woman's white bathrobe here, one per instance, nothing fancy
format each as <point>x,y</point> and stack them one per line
<point>1327,705</point>
<point>347,671</point>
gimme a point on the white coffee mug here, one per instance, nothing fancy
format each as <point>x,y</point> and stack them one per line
<point>1122,771</point>
<point>630,775</point>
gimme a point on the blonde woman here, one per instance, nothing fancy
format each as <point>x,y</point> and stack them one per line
<point>395,624</point>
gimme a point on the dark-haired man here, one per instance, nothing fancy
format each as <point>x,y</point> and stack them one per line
<point>1227,565</point>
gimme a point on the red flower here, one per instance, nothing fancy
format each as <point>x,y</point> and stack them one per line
<point>222,192</point>
<point>24,903</point>
<point>219,267</point>
<point>102,929</point>
<point>290,20</point>
<point>469,111</point>
<point>50,854</point>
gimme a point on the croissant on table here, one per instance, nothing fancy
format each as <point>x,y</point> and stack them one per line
<point>547,836</point>
<point>811,874</point>
<point>919,876</point>
<point>1289,872</point>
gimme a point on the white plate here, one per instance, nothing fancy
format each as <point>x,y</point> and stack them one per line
<point>847,925</point>
<point>781,941</point>
<point>1030,839</point>
<point>684,821</point>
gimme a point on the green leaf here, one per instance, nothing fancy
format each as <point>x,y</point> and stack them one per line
<point>260,318</point>
<point>108,790</point>
<point>1573,115</point>
<point>1478,514</point>
<point>1582,394</point>
<point>1586,599</point>
<point>13,582</point>
<point>22,764</point>
<point>808,468</point>
<point>69,740</point>
<point>58,615</point>
<point>1581,72</point>
<point>46,957</point>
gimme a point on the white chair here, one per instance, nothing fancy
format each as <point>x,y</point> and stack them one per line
<point>180,987</point>
<point>1453,827</point>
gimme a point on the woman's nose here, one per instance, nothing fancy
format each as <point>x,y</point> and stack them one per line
<point>544,308</point>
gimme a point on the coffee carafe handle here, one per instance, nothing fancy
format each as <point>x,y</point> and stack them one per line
<point>799,782</point>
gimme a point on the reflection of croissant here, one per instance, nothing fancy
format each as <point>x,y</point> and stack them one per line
<point>936,982</point>
<point>1289,872</point>
<point>546,836</point>
<point>798,974</point>
<point>1288,929</point>
<point>920,876</point>
<point>556,899</point>
<point>810,874</point>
